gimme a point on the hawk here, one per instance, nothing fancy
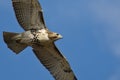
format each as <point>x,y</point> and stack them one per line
<point>30,16</point>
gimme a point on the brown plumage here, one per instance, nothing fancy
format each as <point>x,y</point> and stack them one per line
<point>29,14</point>
<point>30,17</point>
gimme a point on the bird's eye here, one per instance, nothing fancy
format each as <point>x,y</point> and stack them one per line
<point>57,34</point>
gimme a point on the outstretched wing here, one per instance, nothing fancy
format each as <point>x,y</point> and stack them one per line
<point>54,61</point>
<point>29,14</point>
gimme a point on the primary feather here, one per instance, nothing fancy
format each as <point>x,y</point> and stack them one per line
<point>54,61</point>
<point>29,14</point>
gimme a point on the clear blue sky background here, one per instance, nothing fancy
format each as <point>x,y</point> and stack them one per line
<point>91,43</point>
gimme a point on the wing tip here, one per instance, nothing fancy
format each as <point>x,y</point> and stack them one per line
<point>75,78</point>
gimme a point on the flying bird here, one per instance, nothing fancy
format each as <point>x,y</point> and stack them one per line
<point>30,16</point>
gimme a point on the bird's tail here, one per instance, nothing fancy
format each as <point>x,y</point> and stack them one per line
<point>10,39</point>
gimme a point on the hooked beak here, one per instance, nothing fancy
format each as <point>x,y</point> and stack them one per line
<point>60,36</point>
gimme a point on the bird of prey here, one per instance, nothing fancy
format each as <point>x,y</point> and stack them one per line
<point>30,16</point>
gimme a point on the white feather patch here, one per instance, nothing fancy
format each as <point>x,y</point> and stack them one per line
<point>42,35</point>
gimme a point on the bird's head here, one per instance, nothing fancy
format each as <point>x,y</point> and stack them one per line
<point>54,36</point>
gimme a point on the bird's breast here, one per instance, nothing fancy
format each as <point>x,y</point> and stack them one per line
<point>42,37</point>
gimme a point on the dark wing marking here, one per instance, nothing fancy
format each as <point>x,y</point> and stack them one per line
<point>29,14</point>
<point>54,61</point>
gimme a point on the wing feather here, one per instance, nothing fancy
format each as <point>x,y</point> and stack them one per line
<point>53,60</point>
<point>29,14</point>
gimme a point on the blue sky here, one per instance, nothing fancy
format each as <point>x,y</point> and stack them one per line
<point>91,40</point>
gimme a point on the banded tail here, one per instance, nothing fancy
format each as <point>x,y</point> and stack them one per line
<point>10,40</point>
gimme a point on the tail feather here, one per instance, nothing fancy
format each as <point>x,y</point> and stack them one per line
<point>11,42</point>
